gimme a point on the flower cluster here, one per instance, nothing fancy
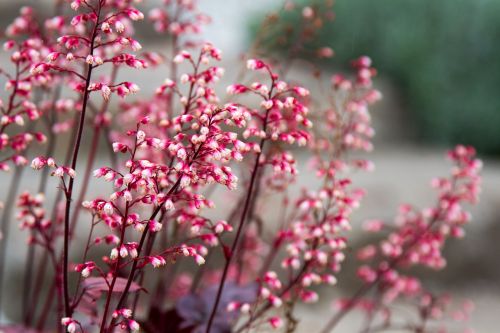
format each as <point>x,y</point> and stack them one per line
<point>346,124</point>
<point>26,46</point>
<point>417,240</point>
<point>31,212</point>
<point>313,234</point>
<point>182,238</point>
<point>178,18</point>
<point>100,34</point>
<point>421,234</point>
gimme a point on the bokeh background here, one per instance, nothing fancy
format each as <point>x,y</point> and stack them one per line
<point>439,72</point>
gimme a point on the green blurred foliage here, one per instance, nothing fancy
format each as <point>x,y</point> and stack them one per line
<point>443,55</point>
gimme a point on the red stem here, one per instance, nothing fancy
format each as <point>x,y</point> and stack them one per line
<point>11,196</point>
<point>69,192</point>
<point>356,298</point>
<point>157,210</point>
<point>42,265</point>
<point>292,283</point>
<point>133,270</point>
<point>114,273</point>
<point>84,259</point>
<point>14,185</point>
<point>28,276</point>
<point>91,159</point>
<point>238,233</point>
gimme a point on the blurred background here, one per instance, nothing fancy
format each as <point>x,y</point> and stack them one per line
<point>439,72</point>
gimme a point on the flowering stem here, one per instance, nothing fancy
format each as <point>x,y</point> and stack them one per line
<point>45,309</point>
<point>238,232</point>
<point>12,192</point>
<point>354,301</point>
<point>268,305</point>
<point>30,257</point>
<point>86,178</point>
<point>371,315</point>
<point>114,273</point>
<point>69,191</point>
<point>196,67</point>
<point>173,76</point>
<point>14,185</point>
<point>251,217</point>
<point>112,156</point>
<point>84,259</point>
<point>42,263</point>
<point>155,213</point>
<point>28,278</point>
<point>356,298</point>
<point>131,275</point>
<point>200,274</point>
<point>91,158</point>
<point>149,249</point>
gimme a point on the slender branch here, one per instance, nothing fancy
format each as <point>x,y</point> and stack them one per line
<point>69,192</point>
<point>91,159</point>
<point>28,276</point>
<point>40,276</point>
<point>9,204</point>
<point>84,259</point>
<point>268,305</point>
<point>115,271</point>
<point>356,298</point>
<point>238,233</point>
<point>5,226</point>
<point>153,216</point>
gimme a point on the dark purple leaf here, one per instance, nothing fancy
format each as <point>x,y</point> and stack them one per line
<point>94,287</point>
<point>195,309</point>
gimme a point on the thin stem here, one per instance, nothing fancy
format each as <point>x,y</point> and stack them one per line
<point>28,276</point>
<point>14,186</point>
<point>69,191</point>
<point>149,249</point>
<point>9,204</point>
<point>200,273</point>
<point>46,307</point>
<point>84,259</point>
<point>173,76</point>
<point>251,217</point>
<point>157,210</point>
<point>163,285</point>
<point>238,234</point>
<point>141,244</point>
<point>112,156</point>
<point>42,265</point>
<point>370,317</point>
<point>91,159</point>
<point>114,273</point>
<point>356,298</point>
<point>268,305</point>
